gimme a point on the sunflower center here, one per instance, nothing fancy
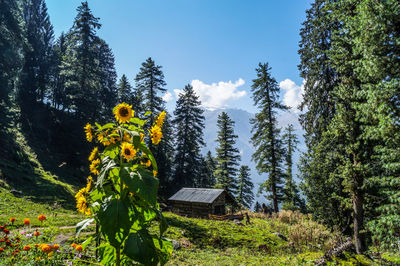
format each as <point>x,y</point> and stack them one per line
<point>124,112</point>
<point>127,152</point>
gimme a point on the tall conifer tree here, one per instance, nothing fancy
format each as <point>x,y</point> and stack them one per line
<point>188,125</point>
<point>244,194</point>
<point>291,198</point>
<point>124,90</point>
<point>227,155</point>
<point>11,44</point>
<point>269,152</point>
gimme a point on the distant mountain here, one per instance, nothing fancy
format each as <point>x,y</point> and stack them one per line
<point>243,130</point>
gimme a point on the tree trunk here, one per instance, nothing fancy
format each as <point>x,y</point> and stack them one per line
<point>275,198</point>
<point>358,218</point>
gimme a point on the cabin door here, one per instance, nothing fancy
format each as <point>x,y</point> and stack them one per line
<point>219,210</point>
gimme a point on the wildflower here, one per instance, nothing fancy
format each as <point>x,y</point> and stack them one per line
<point>45,248</point>
<point>127,138</point>
<point>160,119</point>
<point>79,248</point>
<point>12,220</point>
<point>93,154</point>
<point>55,246</point>
<point>93,166</point>
<point>27,247</point>
<point>81,201</point>
<point>103,138</point>
<point>128,151</point>
<point>42,217</point>
<point>2,240</point>
<point>73,245</point>
<point>89,132</point>
<point>37,233</point>
<point>156,134</point>
<point>5,231</point>
<point>123,112</point>
<point>27,221</point>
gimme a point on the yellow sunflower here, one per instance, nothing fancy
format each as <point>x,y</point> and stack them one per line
<point>123,112</point>
<point>160,119</point>
<point>156,134</point>
<point>146,163</point>
<point>155,173</point>
<point>94,165</point>
<point>89,132</point>
<point>93,154</point>
<point>89,183</point>
<point>81,201</point>
<point>114,139</point>
<point>127,137</point>
<point>103,138</point>
<point>128,151</point>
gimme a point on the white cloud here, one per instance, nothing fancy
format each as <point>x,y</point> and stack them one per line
<point>167,96</point>
<point>293,94</point>
<point>217,95</point>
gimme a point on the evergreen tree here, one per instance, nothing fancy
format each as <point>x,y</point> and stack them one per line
<point>257,207</point>
<point>244,194</point>
<point>107,76</point>
<point>58,96</point>
<point>375,31</point>
<point>325,193</point>
<point>149,84</point>
<point>227,155</point>
<point>11,44</point>
<point>80,67</point>
<point>35,80</point>
<point>291,199</point>
<point>189,125</point>
<point>124,90</point>
<point>269,152</point>
<point>207,177</point>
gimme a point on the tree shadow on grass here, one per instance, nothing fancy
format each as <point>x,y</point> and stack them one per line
<point>197,234</point>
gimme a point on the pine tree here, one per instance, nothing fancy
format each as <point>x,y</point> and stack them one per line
<point>150,83</point>
<point>375,31</point>
<point>257,207</point>
<point>244,194</point>
<point>291,199</point>
<point>11,44</point>
<point>58,96</point>
<point>80,67</point>
<point>207,177</point>
<point>227,155</point>
<point>124,90</point>
<point>325,193</point>
<point>188,124</point>
<point>35,80</point>
<point>266,135</point>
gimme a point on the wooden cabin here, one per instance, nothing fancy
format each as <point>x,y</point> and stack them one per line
<point>200,202</point>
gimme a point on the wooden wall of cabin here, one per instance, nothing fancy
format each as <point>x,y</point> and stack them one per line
<point>218,206</point>
<point>192,209</point>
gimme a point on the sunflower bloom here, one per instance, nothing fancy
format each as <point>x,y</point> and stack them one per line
<point>155,173</point>
<point>94,165</point>
<point>127,151</point>
<point>123,112</point>
<point>156,134</point>
<point>89,132</point>
<point>146,163</point>
<point>81,201</point>
<point>94,154</point>
<point>89,183</point>
<point>103,138</point>
<point>160,119</point>
<point>127,137</point>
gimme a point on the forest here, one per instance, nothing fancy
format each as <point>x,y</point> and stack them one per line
<point>60,95</point>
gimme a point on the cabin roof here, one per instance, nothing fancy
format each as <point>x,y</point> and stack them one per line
<point>200,195</point>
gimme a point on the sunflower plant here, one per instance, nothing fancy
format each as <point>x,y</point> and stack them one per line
<point>121,192</point>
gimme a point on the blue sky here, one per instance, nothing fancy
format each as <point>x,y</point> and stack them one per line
<point>215,45</point>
